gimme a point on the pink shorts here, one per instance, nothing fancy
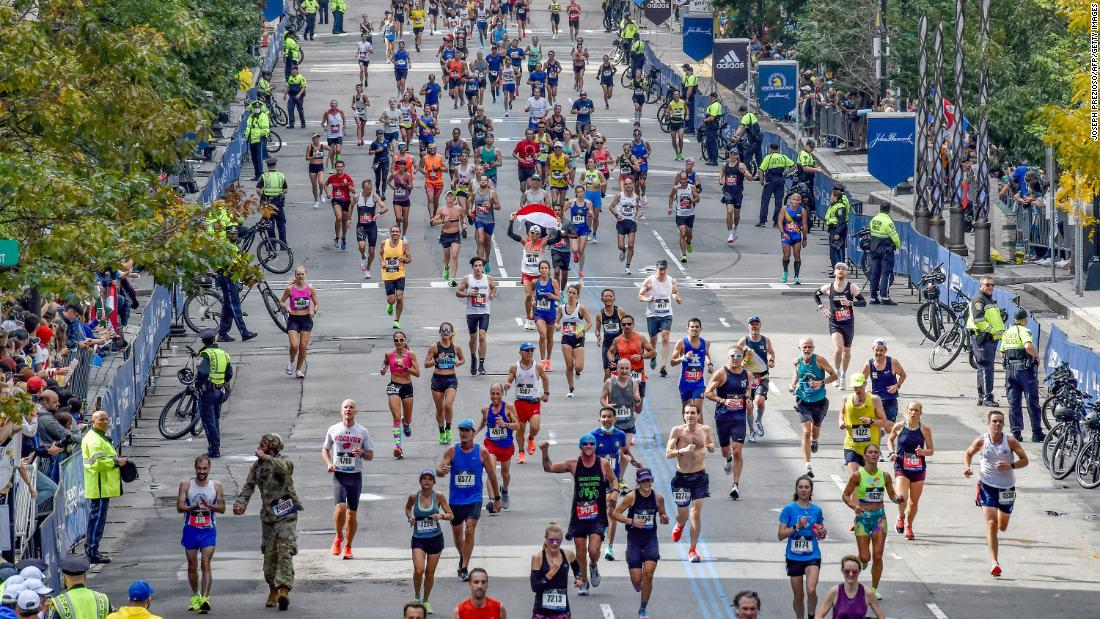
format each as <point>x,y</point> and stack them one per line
<point>526,410</point>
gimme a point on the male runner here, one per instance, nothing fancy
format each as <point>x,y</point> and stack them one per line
<point>479,605</point>
<point>341,189</point>
<point>996,479</point>
<point>198,499</point>
<point>634,347</point>
<point>863,421</point>
<point>613,446</point>
<point>620,393</point>
<point>690,484</point>
<point>684,196</point>
<point>595,490</point>
<point>449,218</point>
<point>843,295</point>
<point>730,389</point>
<point>346,445</point>
<point>694,352</point>
<point>625,209</point>
<point>762,347</point>
<point>333,121</point>
<point>811,375</point>
<point>732,181</point>
<point>640,511</point>
<point>483,207</point>
<point>431,166</point>
<point>466,462</point>
<point>479,290</point>
<point>532,389</point>
<point>389,119</point>
<point>501,422</point>
<point>657,292</point>
<point>394,254</point>
<point>608,327</point>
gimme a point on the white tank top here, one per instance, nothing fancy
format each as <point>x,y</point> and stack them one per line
<point>991,455</point>
<point>661,305</point>
<point>570,321</point>
<point>628,206</point>
<point>478,290</point>
<point>532,256</point>
<point>334,125</point>
<point>528,385</point>
<point>202,519</point>
<point>684,205</point>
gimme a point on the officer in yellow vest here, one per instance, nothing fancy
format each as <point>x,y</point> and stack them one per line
<point>102,480</point>
<point>272,189</point>
<point>339,7</point>
<point>836,224</point>
<point>211,376</point>
<point>986,325</point>
<point>690,85</point>
<point>309,8</point>
<point>78,601</point>
<point>257,128</point>
<point>772,170</point>
<point>1021,361</point>
<point>292,52</point>
<point>884,244</point>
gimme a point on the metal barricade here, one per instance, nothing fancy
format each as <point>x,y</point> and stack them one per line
<point>78,380</point>
<point>24,515</point>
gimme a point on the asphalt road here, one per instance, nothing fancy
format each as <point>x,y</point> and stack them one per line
<point>1049,560</point>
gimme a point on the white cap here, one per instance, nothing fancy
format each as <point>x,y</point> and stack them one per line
<point>31,572</point>
<point>11,592</point>
<point>28,600</point>
<point>36,585</point>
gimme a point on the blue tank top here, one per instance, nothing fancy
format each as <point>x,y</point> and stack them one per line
<point>691,371</point>
<point>401,60</point>
<point>639,152</point>
<point>792,222</point>
<point>499,436</point>
<point>424,526</point>
<point>578,214</point>
<point>881,379</point>
<point>448,53</point>
<point>806,373</point>
<point>544,305</point>
<point>453,152</point>
<point>449,356</point>
<point>734,388</point>
<point>466,470</point>
<point>609,444</point>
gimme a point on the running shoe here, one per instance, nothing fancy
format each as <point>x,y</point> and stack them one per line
<point>728,466</point>
<point>609,554</point>
<point>195,599</point>
<point>397,452</point>
<point>689,247</point>
<point>594,576</point>
<point>677,532</point>
<point>450,436</point>
<point>481,367</point>
<point>347,554</point>
<point>813,448</point>
<point>343,243</point>
<point>760,428</point>
<point>626,270</point>
<point>581,273</point>
<point>653,363</point>
<point>442,438</point>
<point>363,266</point>
<point>463,574</point>
<point>547,366</point>
<point>996,570</point>
<point>809,470</point>
<point>664,372</point>
<point>473,368</point>
<point>878,596</point>
<point>389,309</point>
<point>301,374</point>
<point>734,492</point>
<point>595,240</point>
<point>531,446</point>
<point>899,525</point>
<point>453,283</point>
<point>909,532</point>
<point>752,436</point>
<point>840,382</point>
<point>316,204</point>
<point>576,257</point>
<point>570,394</point>
<point>529,325</point>
<point>583,589</point>
<point>683,259</point>
<point>337,543</point>
<point>783,279</point>
<point>733,236</point>
<point>336,243</point>
<point>488,268</point>
<point>642,614</point>
<point>504,500</point>
<point>521,457</point>
<point>396,324</point>
<point>367,274</point>
<point>446,272</point>
<point>204,605</point>
<point>427,605</point>
<point>797,281</point>
<point>290,369</point>
<point>622,255</point>
<point>693,557</point>
<point>406,429</point>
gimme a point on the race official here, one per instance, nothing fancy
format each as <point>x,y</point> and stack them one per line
<point>807,169</point>
<point>711,126</point>
<point>273,190</point>
<point>836,224</point>
<point>884,244</point>
<point>102,481</point>
<point>78,601</point>
<point>1021,363</point>
<point>214,371</point>
<point>257,129</point>
<point>690,85</point>
<point>986,326</point>
<point>772,170</point>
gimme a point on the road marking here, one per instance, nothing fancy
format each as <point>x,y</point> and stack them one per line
<point>500,258</point>
<point>895,556</point>
<point>839,482</point>
<point>366,285</point>
<point>724,323</point>
<point>519,322</point>
<point>664,246</point>
<point>607,612</point>
<point>936,611</point>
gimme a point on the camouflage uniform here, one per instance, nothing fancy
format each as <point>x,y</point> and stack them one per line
<point>274,477</point>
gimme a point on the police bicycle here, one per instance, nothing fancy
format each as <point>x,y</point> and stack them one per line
<point>935,316</point>
<point>1073,444</point>
<point>203,307</point>
<point>180,415</point>
<point>273,254</point>
<point>953,341</point>
<point>1062,393</point>
<point>724,140</point>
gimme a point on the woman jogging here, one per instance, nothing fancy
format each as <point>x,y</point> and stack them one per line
<point>581,214</point>
<point>315,155</point>
<point>303,306</point>
<point>445,356</point>
<point>547,294</point>
<point>910,444</point>
<point>424,510</point>
<point>802,525</point>
<point>849,600</point>
<point>402,366</point>
<point>550,576</point>
<point>570,315</point>
<point>864,494</point>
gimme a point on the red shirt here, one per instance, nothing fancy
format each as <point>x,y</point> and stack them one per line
<point>526,151</point>
<point>491,610</point>
<point>574,12</point>
<point>341,186</point>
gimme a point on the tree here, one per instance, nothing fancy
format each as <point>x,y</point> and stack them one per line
<point>768,20</point>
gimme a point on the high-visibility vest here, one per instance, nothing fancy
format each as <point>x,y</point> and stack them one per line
<point>219,361</point>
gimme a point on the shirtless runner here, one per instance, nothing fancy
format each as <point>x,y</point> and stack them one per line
<point>450,216</point>
<point>690,484</point>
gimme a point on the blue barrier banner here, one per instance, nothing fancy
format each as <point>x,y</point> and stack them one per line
<point>698,36</point>
<point>777,87</point>
<point>891,146</point>
<point>273,9</point>
<point>121,400</point>
<point>1084,362</point>
<point>155,323</point>
<point>51,554</point>
<point>73,524</point>
<point>229,167</point>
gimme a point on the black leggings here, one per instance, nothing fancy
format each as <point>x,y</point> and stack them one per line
<point>381,174</point>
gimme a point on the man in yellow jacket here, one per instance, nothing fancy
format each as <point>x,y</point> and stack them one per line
<point>77,601</point>
<point>102,480</point>
<point>141,597</point>
<point>339,7</point>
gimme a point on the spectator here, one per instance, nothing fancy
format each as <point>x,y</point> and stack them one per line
<point>77,333</point>
<point>102,480</point>
<point>28,604</point>
<point>141,598</point>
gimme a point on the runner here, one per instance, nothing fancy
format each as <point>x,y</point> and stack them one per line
<point>606,72</point>
<point>843,296</point>
<point>508,86</point>
<point>466,462</point>
<point>573,12</point>
<point>802,524</point>
<point>407,118</point>
<point>490,158</point>
<point>416,16</point>
<point>553,75</point>
<point>572,333</point>
<point>427,534</point>
<point>690,484</point>
<point>812,373</point>
<point>534,248</point>
<point>730,389</point>
<point>864,494</point>
<point>401,182</point>
<point>394,254</point>
<point>300,298</point>
<point>694,352</point>
<point>657,292</point>
<point>538,107</point>
<point>684,196</point>
<point>521,18</point>
<point>347,444</point>
<point>525,153</point>
<point>390,119</point>
<point>634,347</point>
<point>198,499</point>
<point>793,233</point>
<point>480,127</point>
<point>380,148</point>
<point>430,91</point>
<point>501,421</point>
<point>558,165</point>
<point>863,423</point>
<point>431,166</point>
<point>849,600</point>
<point>886,376</point>
<point>761,346</point>
<point>612,445</point>
<point>401,63</point>
<point>582,216</point>
<point>368,208</point>
<point>626,226</point>
<point>342,192</point>
<point>449,217</point>
<point>334,121</point>
<point>595,490</point>
<point>620,393</point>
<point>547,295</point>
<point>608,327</point>
<point>560,250</point>
<point>640,510</point>
<point>479,605</point>
<point>532,389</point>
<point>479,290</point>
<point>733,178</point>
<point>641,150</point>
<point>550,578</point>
<point>360,105</point>
<point>483,207</point>
<point>595,184</point>
<point>910,445</point>
<point>455,148</point>
<point>315,155</point>
<point>638,95</point>
<point>445,356</point>
<point>402,365</point>
<point>677,115</point>
<point>996,479</point>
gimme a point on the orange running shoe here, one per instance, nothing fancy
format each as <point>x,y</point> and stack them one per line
<point>336,543</point>
<point>522,457</point>
<point>347,553</point>
<point>531,446</point>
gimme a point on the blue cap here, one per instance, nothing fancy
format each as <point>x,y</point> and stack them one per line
<point>643,475</point>
<point>753,319</point>
<point>526,346</point>
<point>466,424</point>
<point>586,438</point>
<point>140,591</point>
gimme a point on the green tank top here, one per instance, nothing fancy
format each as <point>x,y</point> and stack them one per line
<point>534,55</point>
<point>592,179</point>
<point>488,156</point>
<point>872,488</point>
<point>808,371</point>
<point>425,526</point>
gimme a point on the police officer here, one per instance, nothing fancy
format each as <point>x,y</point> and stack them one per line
<point>256,131</point>
<point>884,244</point>
<point>273,473</point>
<point>806,168</point>
<point>211,376</point>
<point>711,125</point>
<point>637,54</point>
<point>272,188</point>
<point>690,84</point>
<point>263,87</point>
<point>772,169</point>
<point>102,480</point>
<point>310,8</point>
<point>836,224</point>
<point>78,601</point>
<point>750,129</point>
<point>984,321</point>
<point>1021,362</point>
<point>292,52</point>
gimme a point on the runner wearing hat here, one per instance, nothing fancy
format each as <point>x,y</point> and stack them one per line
<point>534,248</point>
<point>729,388</point>
<point>761,346</point>
<point>427,534</point>
<point>466,463</point>
<point>501,422</point>
<point>532,389</point>
<point>640,510</point>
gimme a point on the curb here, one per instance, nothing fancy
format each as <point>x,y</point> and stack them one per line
<point>1058,303</point>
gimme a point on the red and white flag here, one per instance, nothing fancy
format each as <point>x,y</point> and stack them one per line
<point>540,215</point>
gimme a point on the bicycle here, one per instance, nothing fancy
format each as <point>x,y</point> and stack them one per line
<point>278,115</point>
<point>1063,443</point>
<point>1062,393</point>
<point>953,341</point>
<point>620,53</point>
<point>724,138</point>
<point>202,309</point>
<point>274,142</point>
<point>1088,461</point>
<point>270,251</point>
<point>180,414</point>
<point>296,21</point>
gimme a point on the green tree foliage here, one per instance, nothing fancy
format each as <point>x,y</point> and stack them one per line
<point>770,20</point>
<point>94,97</point>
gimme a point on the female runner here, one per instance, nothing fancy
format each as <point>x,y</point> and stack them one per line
<point>445,356</point>
<point>570,314</point>
<point>303,307</point>
<point>402,366</point>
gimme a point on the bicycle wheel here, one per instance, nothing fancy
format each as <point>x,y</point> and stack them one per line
<point>933,318</point>
<point>274,255</point>
<point>946,349</point>
<point>626,78</point>
<point>617,56</point>
<point>970,357</point>
<point>1051,441</point>
<point>654,94</point>
<point>276,310</point>
<point>1088,465</point>
<point>279,117</point>
<point>1050,407</point>
<point>865,265</point>
<point>274,142</point>
<point>179,415</point>
<point>1066,451</point>
<point>723,149</point>
<point>203,310</point>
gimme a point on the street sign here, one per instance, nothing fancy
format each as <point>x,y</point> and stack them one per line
<point>9,253</point>
<point>891,146</point>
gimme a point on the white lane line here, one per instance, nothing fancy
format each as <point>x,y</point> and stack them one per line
<point>840,483</point>
<point>607,612</point>
<point>519,322</point>
<point>366,285</point>
<point>939,614</point>
<point>500,258</point>
<point>895,556</point>
<point>724,323</point>
<point>668,251</point>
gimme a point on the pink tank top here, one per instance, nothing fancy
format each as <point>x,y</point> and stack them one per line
<point>301,299</point>
<point>403,366</point>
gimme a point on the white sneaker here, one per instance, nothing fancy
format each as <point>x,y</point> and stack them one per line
<point>734,233</point>
<point>290,369</point>
<point>626,270</point>
<point>730,238</point>
<point>728,466</point>
<point>366,275</point>
<point>363,267</point>
<point>301,374</point>
<point>316,204</point>
<point>840,383</point>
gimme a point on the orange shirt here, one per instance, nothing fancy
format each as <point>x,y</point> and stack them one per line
<point>491,610</point>
<point>433,168</point>
<point>454,68</point>
<point>627,348</point>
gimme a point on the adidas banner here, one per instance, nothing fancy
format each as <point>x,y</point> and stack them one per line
<point>778,88</point>
<point>730,62</point>
<point>658,11</point>
<point>698,35</point>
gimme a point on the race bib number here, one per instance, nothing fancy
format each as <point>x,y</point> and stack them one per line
<point>200,519</point>
<point>464,479</point>
<point>554,599</point>
<point>1007,496</point>
<point>875,495</point>
<point>844,313</point>
<point>587,510</point>
<point>790,226</point>
<point>392,265</point>
<point>283,507</point>
<point>754,382</point>
<point>542,304</point>
<point>366,219</point>
<point>478,300</point>
<point>693,375</point>
<point>645,521</point>
<point>636,375</point>
<point>392,389</point>
<point>802,546</point>
<point>861,434</point>
<point>623,413</point>
<point>738,402</point>
<point>345,462</point>
<point>525,391</point>
<point>681,496</point>
<point>569,328</point>
<point>531,260</point>
<point>557,175</point>
<point>301,304</point>
<point>911,462</point>
<point>498,432</point>
<point>661,305</point>
<point>578,220</point>
<point>428,526</point>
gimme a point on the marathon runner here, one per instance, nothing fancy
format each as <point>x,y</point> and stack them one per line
<point>347,444</point>
<point>559,251</point>
<point>606,72</point>
<point>621,394</point>
<point>677,115</point>
<point>802,524</point>
<point>479,290</point>
<point>849,599</point>
<point>811,375</point>
<point>657,292</point>
<point>333,121</point>
<point>479,605</point>
<point>641,150</point>
<point>625,207</point>
<point>730,389</point>
<point>455,148</point>
<point>595,490</point>
<point>761,346</point>
<point>864,494</point>
<point>690,484</point>
<point>444,356</point>
<point>427,535</point>
<point>341,189</point>
<point>449,217</point>
<point>315,155</point>
<point>684,196</point>
<point>843,296</point>
<point>389,119</point>
<point>910,445</point>
<point>863,423</point>
<point>732,180</point>
<point>466,462</point>
<point>534,248</point>
<point>996,479</point>
<point>794,230</point>
<point>300,299</point>
<point>582,216</point>
<point>360,104</point>
<point>508,86</point>
<point>634,347</point>
<point>886,376</point>
<point>595,184</point>
<point>550,578</point>
<point>480,126</point>
<point>694,352</point>
<point>368,208</point>
<point>640,510</point>
<point>431,166</point>
<point>198,499</point>
<point>608,327</point>
<point>489,159</point>
<point>612,445</point>
<point>547,294</point>
<point>416,16</point>
<point>401,181</point>
<point>394,254</point>
<point>402,366</point>
<point>553,74</point>
<point>572,333</point>
<point>532,389</point>
<point>501,422</point>
<point>380,148</point>
<point>573,12</point>
<point>430,91</point>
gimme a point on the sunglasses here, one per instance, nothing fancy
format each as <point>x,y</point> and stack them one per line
<point>850,571</point>
<point>399,339</point>
<point>554,540</point>
<point>588,444</point>
<point>446,331</point>
<point>735,356</point>
<point>628,324</point>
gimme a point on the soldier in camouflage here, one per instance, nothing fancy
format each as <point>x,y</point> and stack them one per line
<point>273,474</point>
